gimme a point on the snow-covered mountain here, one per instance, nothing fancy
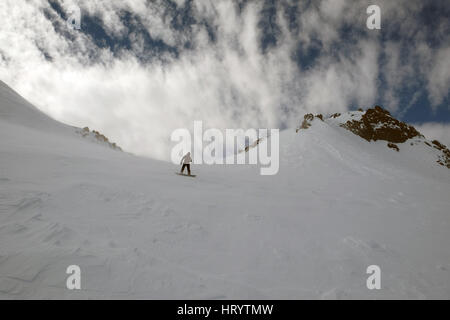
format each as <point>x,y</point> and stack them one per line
<point>339,204</point>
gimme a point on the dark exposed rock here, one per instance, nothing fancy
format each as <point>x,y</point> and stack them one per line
<point>100,137</point>
<point>393,146</point>
<point>253,145</point>
<point>378,124</point>
<point>319,116</point>
<point>438,145</point>
<point>336,115</point>
<point>444,158</point>
<point>306,122</point>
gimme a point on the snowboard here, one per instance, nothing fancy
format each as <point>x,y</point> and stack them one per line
<point>186,175</point>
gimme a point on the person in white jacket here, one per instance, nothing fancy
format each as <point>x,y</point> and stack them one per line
<point>185,161</point>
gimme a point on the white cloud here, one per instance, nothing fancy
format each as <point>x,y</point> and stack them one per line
<point>228,83</point>
<point>439,77</point>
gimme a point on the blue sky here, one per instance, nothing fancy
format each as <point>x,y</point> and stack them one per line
<point>148,67</point>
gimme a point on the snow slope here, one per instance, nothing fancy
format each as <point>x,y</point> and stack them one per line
<point>137,230</point>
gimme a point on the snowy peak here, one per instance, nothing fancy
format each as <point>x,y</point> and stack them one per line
<point>377,124</point>
<point>17,111</point>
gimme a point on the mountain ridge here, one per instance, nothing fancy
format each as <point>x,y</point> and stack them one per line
<point>137,231</point>
<point>377,124</point>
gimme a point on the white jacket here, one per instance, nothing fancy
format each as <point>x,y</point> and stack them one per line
<point>186,159</point>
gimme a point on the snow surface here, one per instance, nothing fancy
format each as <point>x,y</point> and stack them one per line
<point>137,230</point>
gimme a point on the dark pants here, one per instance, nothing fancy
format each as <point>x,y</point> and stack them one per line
<point>188,166</point>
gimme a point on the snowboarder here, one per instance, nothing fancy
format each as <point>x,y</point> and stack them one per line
<point>185,161</point>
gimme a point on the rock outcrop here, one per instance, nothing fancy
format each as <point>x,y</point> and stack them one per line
<point>378,124</point>
<point>97,136</point>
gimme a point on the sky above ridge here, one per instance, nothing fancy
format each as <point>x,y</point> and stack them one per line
<point>137,70</point>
